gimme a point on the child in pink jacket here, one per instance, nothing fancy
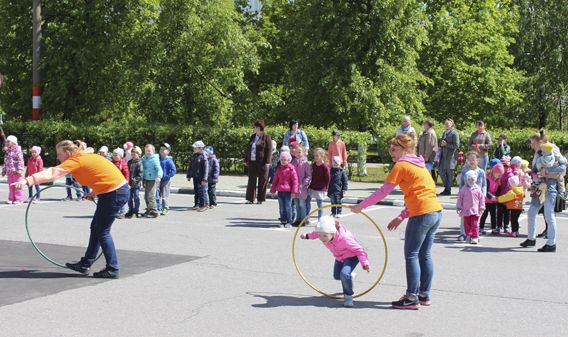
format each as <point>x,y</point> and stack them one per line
<point>14,169</point>
<point>35,165</point>
<point>470,205</point>
<point>285,183</point>
<point>346,250</point>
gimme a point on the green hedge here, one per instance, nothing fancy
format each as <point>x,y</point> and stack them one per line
<point>229,143</point>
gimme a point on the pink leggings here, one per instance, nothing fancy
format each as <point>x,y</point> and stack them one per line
<point>470,226</point>
<point>14,194</point>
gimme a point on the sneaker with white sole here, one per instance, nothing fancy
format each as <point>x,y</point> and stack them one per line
<point>406,303</point>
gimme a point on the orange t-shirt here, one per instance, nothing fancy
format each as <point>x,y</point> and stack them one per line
<point>94,171</point>
<point>418,187</point>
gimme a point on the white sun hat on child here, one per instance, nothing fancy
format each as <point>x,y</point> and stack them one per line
<point>326,224</point>
<point>12,139</point>
<point>198,143</point>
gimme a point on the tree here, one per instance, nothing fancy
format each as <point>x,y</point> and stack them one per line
<point>204,52</point>
<point>542,53</point>
<point>468,61</point>
<point>349,63</point>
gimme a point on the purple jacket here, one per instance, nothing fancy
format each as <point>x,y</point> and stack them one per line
<point>13,161</point>
<point>470,200</point>
<point>304,172</point>
<point>505,180</point>
<point>285,180</point>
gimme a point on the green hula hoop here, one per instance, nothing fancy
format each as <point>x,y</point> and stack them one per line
<point>40,252</point>
<point>317,289</point>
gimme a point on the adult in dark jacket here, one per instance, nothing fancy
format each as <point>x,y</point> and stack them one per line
<point>198,170</point>
<point>257,159</point>
<point>136,177</point>
<point>449,143</point>
<point>214,172</point>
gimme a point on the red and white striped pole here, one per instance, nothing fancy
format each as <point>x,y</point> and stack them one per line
<point>36,75</point>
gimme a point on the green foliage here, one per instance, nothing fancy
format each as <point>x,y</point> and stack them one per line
<point>468,61</point>
<point>229,144</point>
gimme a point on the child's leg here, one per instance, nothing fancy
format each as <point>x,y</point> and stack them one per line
<point>69,182</point>
<point>466,224</point>
<point>297,207</point>
<point>131,201</point>
<point>282,207</point>
<point>159,196</point>
<point>136,193</point>
<point>345,274</point>
<point>78,190</point>
<point>339,200</point>
<point>474,227</point>
<point>212,194</point>
<point>483,218</point>
<point>515,214</point>
<point>287,196</point>
<point>500,215</point>
<point>37,191</point>
<point>493,212</point>
<point>319,202</point>
<point>30,191</point>
<point>11,188</point>
<point>333,201</point>
<point>165,191</point>
<point>195,192</point>
<point>147,194</point>
<point>506,216</point>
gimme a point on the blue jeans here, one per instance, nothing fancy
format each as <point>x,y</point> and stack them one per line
<point>134,200</point>
<point>30,191</point>
<point>336,199</point>
<point>342,271</point>
<point>72,182</point>
<point>302,208</point>
<point>484,161</point>
<point>418,241</point>
<point>447,176</point>
<point>549,203</point>
<point>108,206</point>
<point>285,205</point>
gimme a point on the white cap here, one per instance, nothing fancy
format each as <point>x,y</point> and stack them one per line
<point>326,224</point>
<point>119,152</point>
<point>103,149</point>
<point>198,144</point>
<point>12,139</point>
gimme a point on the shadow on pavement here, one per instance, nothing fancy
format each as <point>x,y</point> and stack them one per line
<point>77,216</point>
<point>33,274</point>
<point>274,301</point>
<point>483,249</point>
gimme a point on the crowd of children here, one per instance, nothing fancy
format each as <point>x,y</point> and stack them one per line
<point>499,193</point>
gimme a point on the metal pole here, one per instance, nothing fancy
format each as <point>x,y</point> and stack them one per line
<point>36,75</point>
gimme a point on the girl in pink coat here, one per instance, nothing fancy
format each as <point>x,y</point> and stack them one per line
<point>35,165</point>
<point>285,183</point>
<point>470,205</point>
<point>346,250</point>
<point>14,169</point>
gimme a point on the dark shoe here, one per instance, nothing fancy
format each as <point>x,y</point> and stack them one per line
<point>528,243</point>
<point>295,223</point>
<point>406,304</point>
<point>120,216</point>
<point>424,300</point>
<point>78,267</point>
<point>547,249</point>
<point>445,192</point>
<point>129,215</point>
<point>259,202</point>
<point>153,214</point>
<point>105,273</point>
<point>542,235</point>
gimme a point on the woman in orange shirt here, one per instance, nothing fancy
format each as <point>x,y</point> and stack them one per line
<point>107,183</point>
<point>424,213</point>
<point>337,148</point>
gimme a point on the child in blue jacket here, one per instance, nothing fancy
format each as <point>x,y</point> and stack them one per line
<point>152,175</point>
<point>214,172</point>
<point>169,168</point>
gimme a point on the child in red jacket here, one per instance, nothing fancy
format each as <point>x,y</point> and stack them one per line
<point>285,183</point>
<point>35,165</point>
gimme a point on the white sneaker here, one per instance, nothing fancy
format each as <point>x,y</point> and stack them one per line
<point>474,241</point>
<point>348,301</point>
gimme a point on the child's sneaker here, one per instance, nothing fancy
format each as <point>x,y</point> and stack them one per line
<point>202,209</point>
<point>461,238</point>
<point>495,231</point>
<point>348,301</point>
<point>196,207</point>
<point>28,200</point>
<point>69,198</point>
<point>164,211</point>
<point>474,241</point>
<point>288,226</point>
<point>514,234</point>
<point>424,300</point>
<point>35,201</point>
<point>406,303</point>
